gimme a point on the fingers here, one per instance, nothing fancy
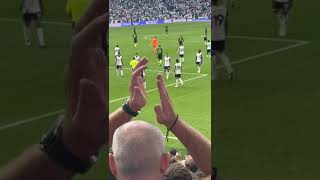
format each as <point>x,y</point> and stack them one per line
<point>142,62</point>
<point>95,9</point>
<point>91,35</point>
<point>164,96</point>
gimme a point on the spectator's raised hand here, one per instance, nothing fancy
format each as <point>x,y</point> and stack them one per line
<point>85,125</point>
<point>137,98</point>
<point>165,112</point>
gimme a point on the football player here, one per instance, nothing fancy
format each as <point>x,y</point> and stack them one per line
<point>177,73</point>
<point>32,11</point>
<point>180,40</point>
<point>181,53</point>
<point>159,53</point>
<point>116,50</point>
<point>135,39</point>
<point>209,49</point>
<point>137,57</point>
<point>281,9</point>
<point>219,31</point>
<point>205,36</point>
<point>119,65</point>
<point>166,29</point>
<point>167,65</point>
<point>199,59</point>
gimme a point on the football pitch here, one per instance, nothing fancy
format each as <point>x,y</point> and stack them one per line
<point>266,121</point>
<point>192,101</point>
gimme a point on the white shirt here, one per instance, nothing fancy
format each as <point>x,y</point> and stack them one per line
<point>219,22</point>
<point>209,45</point>
<point>137,58</point>
<point>119,60</point>
<point>177,68</point>
<point>167,61</point>
<point>181,50</point>
<point>116,51</point>
<point>199,57</point>
<point>31,6</point>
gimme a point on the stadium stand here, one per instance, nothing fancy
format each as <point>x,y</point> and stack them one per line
<point>152,10</point>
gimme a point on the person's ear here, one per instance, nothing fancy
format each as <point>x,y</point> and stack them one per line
<point>164,162</point>
<point>112,164</point>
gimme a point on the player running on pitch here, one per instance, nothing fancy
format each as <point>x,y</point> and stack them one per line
<point>180,40</point>
<point>119,65</point>
<point>181,53</point>
<point>166,29</point>
<point>135,39</point>
<point>281,9</point>
<point>160,56</point>
<point>167,60</point>
<point>199,59</point>
<point>155,44</point>
<point>116,50</point>
<point>205,36</point>
<point>219,31</point>
<point>178,72</point>
<point>32,10</point>
<point>209,49</point>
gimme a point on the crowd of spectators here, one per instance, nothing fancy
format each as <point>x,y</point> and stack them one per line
<point>151,10</point>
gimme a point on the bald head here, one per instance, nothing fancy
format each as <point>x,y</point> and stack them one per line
<point>137,149</point>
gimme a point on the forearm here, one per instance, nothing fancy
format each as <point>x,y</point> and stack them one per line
<point>34,164</point>
<point>116,119</point>
<point>197,145</point>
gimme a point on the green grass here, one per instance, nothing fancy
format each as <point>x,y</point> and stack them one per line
<point>32,80</point>
<point>192,102</point>
<point>266,122</point>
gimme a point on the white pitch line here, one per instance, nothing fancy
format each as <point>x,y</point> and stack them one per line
<point>115,100</point>
<point>29,120</point>
<point>266,39</point>
<point>267,53</point>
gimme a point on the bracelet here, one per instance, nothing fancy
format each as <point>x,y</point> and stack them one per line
<point>128,110</point>
<point>169,129</point>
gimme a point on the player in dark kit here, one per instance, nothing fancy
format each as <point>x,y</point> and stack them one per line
<point>180,40</point>
<point>160,54</point>
<point>135,39</point>
<point>166,29</point>
<point>205,37</point>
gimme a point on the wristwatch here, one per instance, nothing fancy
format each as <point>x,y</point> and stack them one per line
<point>52,144</point>
<point>127,109</point>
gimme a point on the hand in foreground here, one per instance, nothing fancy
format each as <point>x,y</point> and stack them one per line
<point>137,99</point>
<point>165,112</point>
<point>85,124</point>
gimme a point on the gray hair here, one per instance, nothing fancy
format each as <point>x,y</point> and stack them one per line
<point>137,149</point>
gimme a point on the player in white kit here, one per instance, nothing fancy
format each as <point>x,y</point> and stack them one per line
<point>218,39</point>
<point>119,65</point>
<point>199,59</point>
<point>116,51</point>
<point>281,9</point>
<point>181,53</point>
<point>178,73</point>
<point>167,65</point>
<point>32,10</point>
<point>137,57</point>
<point>209,49</point>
